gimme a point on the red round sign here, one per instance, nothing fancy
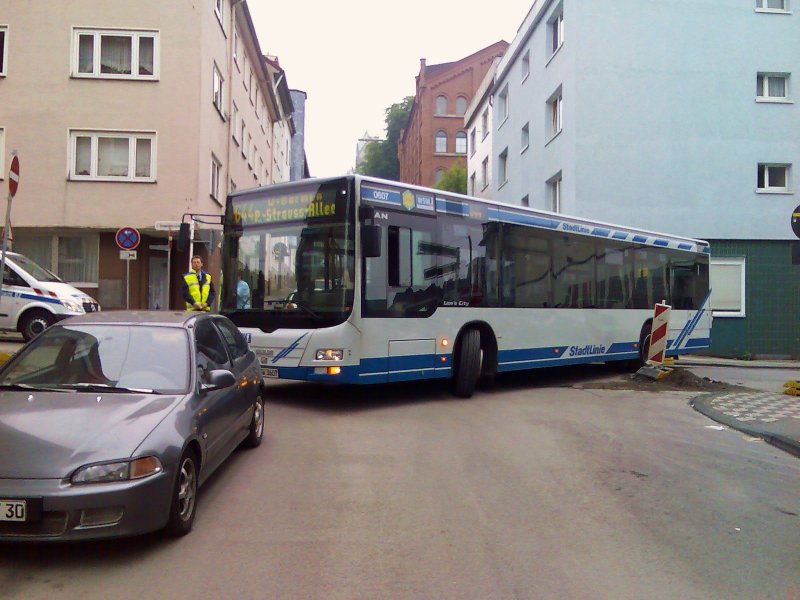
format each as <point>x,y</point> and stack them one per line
<point>13,176</point>
<point>128,238</point>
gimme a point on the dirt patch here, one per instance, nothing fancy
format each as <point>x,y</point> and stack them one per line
<point>677,380</point>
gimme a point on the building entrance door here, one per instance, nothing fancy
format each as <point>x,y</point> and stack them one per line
<point>159,286</point>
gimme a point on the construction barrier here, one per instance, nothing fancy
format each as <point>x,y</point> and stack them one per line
<point>658,334</point>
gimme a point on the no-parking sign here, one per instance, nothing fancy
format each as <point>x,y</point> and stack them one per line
<point>128,238</point>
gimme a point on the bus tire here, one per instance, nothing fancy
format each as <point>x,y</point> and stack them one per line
<point>467,364</point>
<point>34,322</point>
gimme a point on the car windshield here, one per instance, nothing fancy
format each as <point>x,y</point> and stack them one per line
<point>37,272</point>
<point>121,357</point>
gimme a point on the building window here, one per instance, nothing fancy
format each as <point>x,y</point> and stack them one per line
<point>439,174</point>
<point>461,106</point>
<point>73,258</point>
<point>3,38</point>
<point>503,104</point>
<point>485,124</point>
<point>251,150</point>
<point>461,142</point>
<point>441,105</point>
<point>781,6</point>
<point>773,177</point>
<point>524,137</point>
<point>218,89</point>
<point>441,142</point>
<point>112,156</point>
<point>772,87</point>
<point>554,192</point>
<point>235,125</point>
<point>253,87</point>
<point>502,168</point>
<point>727,278</point>
<point>554,113</point>
<point>218,6</point>
<point>555,30</point>
<point>472,142</point>
<point>472,188</point>
<point>525,65</point>
<point>115,54</point>
<point>525,200</point>
<point>236,46</point>
<point>216,168</point>
<point>485,173</point>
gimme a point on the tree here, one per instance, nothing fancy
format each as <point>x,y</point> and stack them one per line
<point>380,158</point>
<point>454,179</point>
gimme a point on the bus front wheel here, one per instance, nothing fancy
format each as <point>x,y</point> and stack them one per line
<point>467,364</point>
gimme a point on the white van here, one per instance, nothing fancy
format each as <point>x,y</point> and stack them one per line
<point>33,298</point>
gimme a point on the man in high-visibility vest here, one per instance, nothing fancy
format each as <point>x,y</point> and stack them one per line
<point>198,291</point>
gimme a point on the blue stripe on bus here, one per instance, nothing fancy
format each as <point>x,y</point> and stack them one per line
<point>661,243</point>
<point>288,349</point>
<point>685,246</point>
<point>452,207</point>
<point>692,323</point>
<point>640,239</point>
<point>619,235</point>
<point>512,217</point>
<point>601,232</point>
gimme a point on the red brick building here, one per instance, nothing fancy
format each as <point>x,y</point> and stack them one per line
<point>435,137</point>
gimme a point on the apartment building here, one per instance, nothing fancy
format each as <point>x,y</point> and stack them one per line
<point>478,124</point>
<point>672,117</point>
<point>125,114</point>
<point>434,138</point>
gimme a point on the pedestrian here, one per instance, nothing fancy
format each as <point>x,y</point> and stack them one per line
<point>242,291</point>
<point>198,290</point>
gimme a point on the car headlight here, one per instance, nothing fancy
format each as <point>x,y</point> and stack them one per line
<point>72,305</point>
<point>122,470</point>
<point>330,354</point>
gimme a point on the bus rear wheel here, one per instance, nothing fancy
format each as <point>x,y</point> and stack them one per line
<point>467,364</point>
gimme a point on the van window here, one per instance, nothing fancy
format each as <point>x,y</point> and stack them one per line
<point>34,270</point>
<point>11,277</point>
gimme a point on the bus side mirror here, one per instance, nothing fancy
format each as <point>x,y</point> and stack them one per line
<point>183,237</point>
<point>371,241</point>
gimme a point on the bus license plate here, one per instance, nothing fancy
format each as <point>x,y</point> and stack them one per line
<point>269,372</point>
<point>12,510</point>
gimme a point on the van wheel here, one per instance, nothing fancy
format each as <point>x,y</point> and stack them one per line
<point>35,322</point>
<point>467,364</point>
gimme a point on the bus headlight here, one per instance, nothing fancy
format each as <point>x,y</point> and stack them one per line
<point>330,354</point>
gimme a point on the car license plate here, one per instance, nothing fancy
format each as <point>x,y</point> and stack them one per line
<point>270,373</point>
<point>12,510</point>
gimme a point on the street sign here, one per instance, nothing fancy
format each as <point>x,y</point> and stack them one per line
<point>168,225</point>
<point>128,238</point>
<point>127,254</point>
<point>13,177</point>
<point>796,221</point>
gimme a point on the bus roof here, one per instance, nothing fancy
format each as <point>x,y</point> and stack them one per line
<point>505,212</point>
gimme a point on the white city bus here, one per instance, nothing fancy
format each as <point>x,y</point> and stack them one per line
<point>360,280</point>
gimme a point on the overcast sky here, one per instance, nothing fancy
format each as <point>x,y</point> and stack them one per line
<point>354,58</point>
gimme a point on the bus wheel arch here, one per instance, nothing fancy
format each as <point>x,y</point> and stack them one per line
<point>474,358</point>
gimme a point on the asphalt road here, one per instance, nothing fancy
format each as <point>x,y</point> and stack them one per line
<point>533,490</point>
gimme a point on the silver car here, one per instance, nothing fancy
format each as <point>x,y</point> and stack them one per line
<point>109,423</point>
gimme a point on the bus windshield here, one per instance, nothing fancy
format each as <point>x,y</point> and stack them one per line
<point>289,256</point>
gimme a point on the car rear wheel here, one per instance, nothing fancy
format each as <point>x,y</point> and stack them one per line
<point>256,433</point>
<point>184,496</point>
<point>35,322</point>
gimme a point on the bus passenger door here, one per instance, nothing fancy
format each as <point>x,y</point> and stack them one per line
<point>411,359</point>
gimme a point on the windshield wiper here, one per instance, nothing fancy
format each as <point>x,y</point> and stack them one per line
<point>310,311</point>
<point>103,387</point>
<point>28,387</point>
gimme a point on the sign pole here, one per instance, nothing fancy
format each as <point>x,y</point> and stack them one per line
<point>13,183</point>
<point>169,266</point>
<point>127,285</point>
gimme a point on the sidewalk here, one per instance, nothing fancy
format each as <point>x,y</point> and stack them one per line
<point>694,360</point>
<point>773,417</point>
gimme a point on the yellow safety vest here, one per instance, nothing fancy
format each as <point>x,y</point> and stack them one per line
<point>197,290</point>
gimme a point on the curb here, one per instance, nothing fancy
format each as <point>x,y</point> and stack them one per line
<point>689,362</point>
<point>785,443</point>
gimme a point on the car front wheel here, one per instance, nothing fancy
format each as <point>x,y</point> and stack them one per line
<point>256,433</point>
<point>184,496</point>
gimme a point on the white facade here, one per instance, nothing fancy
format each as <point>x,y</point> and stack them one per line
<point>478,123</point>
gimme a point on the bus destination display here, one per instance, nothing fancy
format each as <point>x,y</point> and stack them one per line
<point>289,207</point>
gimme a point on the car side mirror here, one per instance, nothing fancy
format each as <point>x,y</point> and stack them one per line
<point>371,241</point>
<point>217,380</point>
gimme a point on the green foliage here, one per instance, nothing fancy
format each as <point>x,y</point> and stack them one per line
<point>454,179</point>
<point>380,158</point>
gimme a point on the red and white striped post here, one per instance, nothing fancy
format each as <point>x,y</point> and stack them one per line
<point>658,335</point>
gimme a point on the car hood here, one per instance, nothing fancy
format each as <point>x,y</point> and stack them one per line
<point>47,435</point>
<point>64,290</point>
